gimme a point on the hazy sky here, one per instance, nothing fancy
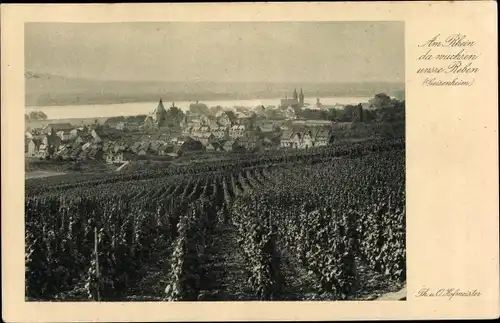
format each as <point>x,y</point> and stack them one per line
<point>186,51</point>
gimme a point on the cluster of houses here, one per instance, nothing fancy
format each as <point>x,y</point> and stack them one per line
<point>223,132</point>
<point>305,138</point>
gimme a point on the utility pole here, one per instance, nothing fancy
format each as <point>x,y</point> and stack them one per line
<point>98,277</point>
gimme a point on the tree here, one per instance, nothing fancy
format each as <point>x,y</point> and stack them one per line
<point>368,115</point>
<point>112,120</point>
<point>381,100</point>
<point>332,114</point>
<point>37,115</point>
<point>347,114</point>
<point>252,119</point>
<point>175,114</point>
<point>216,110</point>
<point>198,108</point>
<point>312,114</point>
<point>50,151</point>
<point>274,114</point>
<point>358,113</point>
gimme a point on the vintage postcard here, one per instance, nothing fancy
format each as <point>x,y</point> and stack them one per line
<point>251,161</point>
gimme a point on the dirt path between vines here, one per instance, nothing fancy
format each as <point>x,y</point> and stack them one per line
<point>227,276</point>
<point>225,266</point>
<point>300,284</point>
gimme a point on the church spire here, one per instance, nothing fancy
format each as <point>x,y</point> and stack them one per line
<point>301,97</point>
<point>295,94</point>
<point>160,104</point>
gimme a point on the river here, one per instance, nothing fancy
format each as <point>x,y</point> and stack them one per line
<point>128,109</point>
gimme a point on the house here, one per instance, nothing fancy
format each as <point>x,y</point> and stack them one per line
<point>221,133</point>
<point>248,143</point>
<point>42,150</point>
<point>121,155</point>
<point>83,138</point>
<point>75,152</point>
<point>227,118</point>
<point>65,150</point>
<point>109,156</point>
<point>290,113</point>
<point>206,120</point>
<point>112,123</point>
<point>186,131</point>
<point>86,145</point>
<point>149,123</point>
<point>123,146</point>
<point>101,135</point>
<point>286,139</point>
<point>130,126</point>
<point>248,121</point>
<point>206,139</point>
<point>227,146</point>
<point>75,133</point>
<point>302,140</point>
<point>65,135</point>
<point>321,137</point>
<point>135,147</point>
<point>153,147</point>
<point>305,137</point>
<point>200,132</point>
<point>58,127</point>
<point>107,146</point>
<point>120,125</point>
<point>144,146</point>
<point>188,144</point>
<point>142,152</point>
<point>213,146</point>
<point>265,127</point>
<point>237,131</point>
<point>96,154</point>
<point>194,123</point>
<point>163,138</point>
<point>82,155</point>
<point>179,141</point>
<point>268,131</point>
<point>31,147</point>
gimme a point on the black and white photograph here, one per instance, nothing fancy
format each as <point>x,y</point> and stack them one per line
<point>215,161</point>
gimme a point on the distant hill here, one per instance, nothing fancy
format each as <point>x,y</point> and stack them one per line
<point>47,89</point>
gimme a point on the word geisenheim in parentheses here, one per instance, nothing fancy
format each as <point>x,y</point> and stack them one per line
<point>449,293</point>
<point>449,55</point>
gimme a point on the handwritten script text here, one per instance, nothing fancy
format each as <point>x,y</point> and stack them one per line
<point>449,293</point>
<point>448,61</point>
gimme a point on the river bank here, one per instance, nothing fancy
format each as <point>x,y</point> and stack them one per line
<point>95,111</point>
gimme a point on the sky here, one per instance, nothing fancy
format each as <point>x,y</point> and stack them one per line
<point>219,51</point>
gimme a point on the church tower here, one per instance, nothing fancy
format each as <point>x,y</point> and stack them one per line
<point>160,114</point>
<point>295,95</point>
<point>301,98</point>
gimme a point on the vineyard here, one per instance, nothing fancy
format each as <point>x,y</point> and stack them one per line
<point>327,224</point>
